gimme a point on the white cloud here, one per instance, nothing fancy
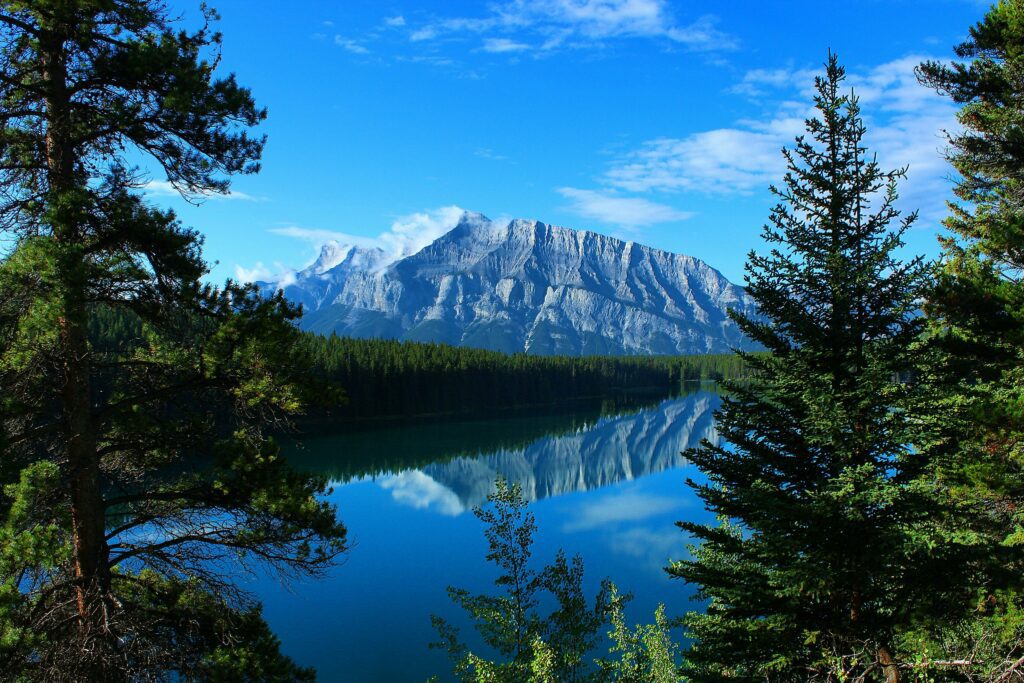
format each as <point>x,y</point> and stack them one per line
<point>905,123</point>
<point>424,33</point>
<point>350,45</point>
<point>577,23</point>
<point>160,188</point>
<point>278,273</point>
<point>406,236</point>
<point>420,491</point>
<point>757,82</point>
<point>257,272</point>
<point>489,154</point>
<point>235,195</point>
<point>627,506</point>
<point>499,45</point>
<point>164,188</point>
<point>652,548</point>
<point>318,237</point>
<point>632,212</point>
<point>411,233</point>
<point>594,18</point>
<point>395,22</point>
<point>717,161</point>
<point>632,522</point>
<point>893,87</point>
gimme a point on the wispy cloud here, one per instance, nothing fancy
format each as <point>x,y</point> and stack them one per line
<point>163,188</point>
<point>489,154</point>
<point>397,21</point>
<point>257,273</point>
<point>350,45</point>
<point>318,237</point>
<point>627,506</point>
<point>652,548</point>
<point>406,236</point>
<point>632,522</point>
<point>726,160</point>
<point>277,272</point>
<point>759,82</point>
<point>544,25</point>
<point>905,123</point>
<point>627,212</point>
<point>411,233</point>
<point>499,45</point>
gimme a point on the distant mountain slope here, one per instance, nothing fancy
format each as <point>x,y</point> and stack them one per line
<point>524,286</point>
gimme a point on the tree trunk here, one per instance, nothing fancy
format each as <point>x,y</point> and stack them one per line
<point>889,667</point>
<point>83,467</point>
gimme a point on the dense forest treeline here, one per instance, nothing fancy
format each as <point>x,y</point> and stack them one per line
<point>386,377</point>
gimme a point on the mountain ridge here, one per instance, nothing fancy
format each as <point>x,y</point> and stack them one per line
<point>527,286</point>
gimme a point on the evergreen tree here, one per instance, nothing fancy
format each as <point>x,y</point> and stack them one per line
<point>824,551</point>
<point>136,471</point>
<point>977,308</point>
<point>976,316</point>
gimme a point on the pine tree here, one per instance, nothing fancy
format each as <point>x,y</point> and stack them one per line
<point>136,469</point>
<point>824,551</point>
<point>977,309</point>
<point>976,320</point>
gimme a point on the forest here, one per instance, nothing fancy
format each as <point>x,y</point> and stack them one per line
<point>388,378</point>
<point>382,377</point>
<point>864,489</point>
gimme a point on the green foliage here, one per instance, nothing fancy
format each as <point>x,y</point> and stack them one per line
<point>235,642</point>
<point>30,547</point>
<point>645,654</point>
<point>383,377</point>
<point>386,377</point>
<point>977,311</point>
<point>828,545</point>
<point>531,646</point>
<point>134,457</point>
<point>558,647</point>
<point>975,340</point>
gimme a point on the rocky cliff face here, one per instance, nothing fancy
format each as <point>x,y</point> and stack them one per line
<point>524,286</point>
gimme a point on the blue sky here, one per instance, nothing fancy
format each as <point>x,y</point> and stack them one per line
<point>650,120</point>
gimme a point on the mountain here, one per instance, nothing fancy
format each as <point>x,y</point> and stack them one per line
<point>317,284</point>
<point>523,286</point>
<point>615,449</point>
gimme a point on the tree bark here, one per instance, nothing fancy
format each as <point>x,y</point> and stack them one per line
<point>83,467</point>
<point>890,669</point>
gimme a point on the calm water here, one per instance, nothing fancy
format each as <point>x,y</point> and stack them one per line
<point>605,481</point>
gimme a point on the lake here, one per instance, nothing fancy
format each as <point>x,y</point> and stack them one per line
<point>605,479</point>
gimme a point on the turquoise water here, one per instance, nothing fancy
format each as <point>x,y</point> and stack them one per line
<point>605,480</point>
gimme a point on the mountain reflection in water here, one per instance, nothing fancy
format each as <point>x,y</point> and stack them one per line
<point>611,450</point>
<point>606,480</point>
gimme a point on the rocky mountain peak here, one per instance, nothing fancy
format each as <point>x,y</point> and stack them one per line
<point>524,285</point>
<point>331,254</point>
